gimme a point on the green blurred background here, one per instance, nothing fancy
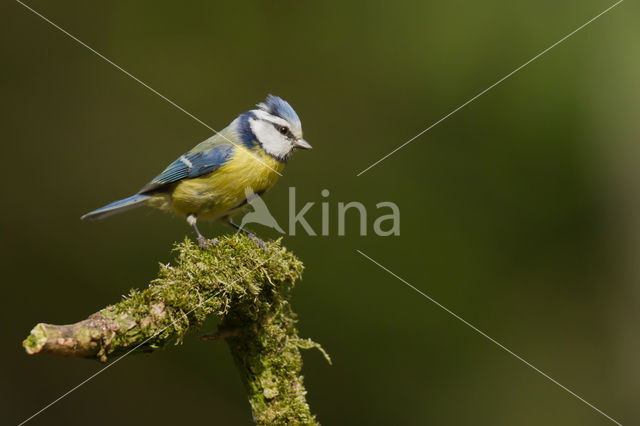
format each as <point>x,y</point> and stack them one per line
<point>521,212</point>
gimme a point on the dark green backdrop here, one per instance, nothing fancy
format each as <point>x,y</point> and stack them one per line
<point>521,212</point>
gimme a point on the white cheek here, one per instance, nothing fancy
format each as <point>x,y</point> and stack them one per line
<point>272,141</point>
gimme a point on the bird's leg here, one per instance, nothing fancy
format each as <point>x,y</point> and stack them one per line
<point>203,243</point>
<point>248,234</point>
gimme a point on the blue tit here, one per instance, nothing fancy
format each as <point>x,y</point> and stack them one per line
<point>213,179</point>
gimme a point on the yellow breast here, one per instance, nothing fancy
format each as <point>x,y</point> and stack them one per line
<point>223,191</point>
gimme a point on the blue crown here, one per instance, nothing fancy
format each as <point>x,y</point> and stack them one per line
<point>277,106</point>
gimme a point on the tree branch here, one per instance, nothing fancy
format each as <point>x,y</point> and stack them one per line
<point>247,287</point>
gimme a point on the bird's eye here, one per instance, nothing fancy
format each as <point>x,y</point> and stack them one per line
<point>283,130</point>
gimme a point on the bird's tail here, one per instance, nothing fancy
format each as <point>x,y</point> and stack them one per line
<point>116,207</point>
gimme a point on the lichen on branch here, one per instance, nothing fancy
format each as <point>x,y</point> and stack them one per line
<point>245,286</point>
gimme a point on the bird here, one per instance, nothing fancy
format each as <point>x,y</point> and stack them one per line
<point>212,180</point>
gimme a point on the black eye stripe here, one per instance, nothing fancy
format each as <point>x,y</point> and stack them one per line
<point>287,134</point>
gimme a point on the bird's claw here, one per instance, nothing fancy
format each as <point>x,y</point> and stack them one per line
<point>257,240</point>
<point>205,243</point>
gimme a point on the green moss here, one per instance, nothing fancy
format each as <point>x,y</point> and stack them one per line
<point>36,339</point>
<point>247,287</point>
<point>199,284</point>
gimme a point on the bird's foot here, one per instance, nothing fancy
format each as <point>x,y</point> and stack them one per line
<point>256,240</point>
<point>205,243</point>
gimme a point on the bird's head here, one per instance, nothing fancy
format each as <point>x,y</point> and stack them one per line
<point>276,127</point>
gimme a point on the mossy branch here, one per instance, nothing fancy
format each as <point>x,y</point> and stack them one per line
<point>246,287</point>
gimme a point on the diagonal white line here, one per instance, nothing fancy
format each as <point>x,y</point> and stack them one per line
<point>134,348</point>
<point>491,87</point>
<point>142,82</point>
<point>501,346</point>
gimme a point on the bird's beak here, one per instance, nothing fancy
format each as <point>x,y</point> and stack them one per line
<point>302,144</point>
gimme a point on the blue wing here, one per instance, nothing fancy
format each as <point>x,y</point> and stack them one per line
<point>191,165</point>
